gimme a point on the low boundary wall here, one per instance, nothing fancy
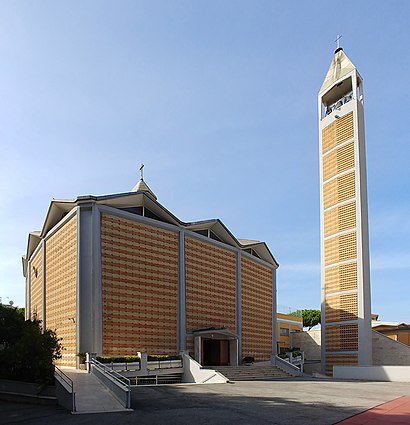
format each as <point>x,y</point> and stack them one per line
<point>27,392</point>
<point>194,373</point>
<point>64,390</point>
<point>373,373</point>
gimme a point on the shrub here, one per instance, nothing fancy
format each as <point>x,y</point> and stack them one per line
<point>160,357</point>
<point>131,359</point>
<point>82,357</point>
<point>118,359</point>
<point>27,353</point>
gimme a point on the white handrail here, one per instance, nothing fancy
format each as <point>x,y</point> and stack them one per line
<point>118,378</point>
<point>113,380</point>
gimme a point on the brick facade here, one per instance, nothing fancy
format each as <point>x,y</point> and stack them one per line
<point>130,272</point>
<point>210,287</point>
<point>139,287</point>
<point>61,288</point>
<point>257,308</point>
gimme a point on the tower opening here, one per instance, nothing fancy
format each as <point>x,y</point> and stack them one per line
<point>337,96</point>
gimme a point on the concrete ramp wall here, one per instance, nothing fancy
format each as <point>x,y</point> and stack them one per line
<point>194,373</point>
<point>388,352</point>
<point>373,373</point>
<point>309,342</point>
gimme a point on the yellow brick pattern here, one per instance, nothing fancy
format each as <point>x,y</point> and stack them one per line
<point>61,284</point>
<point>341,278</point>
<point>339,189</point>
<point>190,346</point>
<point>338,161</point>
<point>36,286</point>
<point>342,337</point>
<point>210,286</point>
<point>338,132</point>
<point>139,287</point>
<point>256,287</point>
<point>340,218</point>
<point>339,359</point>
<point>340,248</point>
<point>340,308</point>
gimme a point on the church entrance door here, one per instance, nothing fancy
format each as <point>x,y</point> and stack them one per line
<point>215,352</point>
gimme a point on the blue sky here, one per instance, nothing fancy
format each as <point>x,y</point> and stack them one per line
<point>219,100</point>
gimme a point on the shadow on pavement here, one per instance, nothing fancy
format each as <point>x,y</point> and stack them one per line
<point>292,402</point>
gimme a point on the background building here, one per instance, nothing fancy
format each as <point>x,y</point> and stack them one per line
<point>118,274</point>
<point>397,331</point>
<point>346,329</point>
<point>285,325</point>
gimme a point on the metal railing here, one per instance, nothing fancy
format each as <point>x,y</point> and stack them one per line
<point>124,366</point>
<point>286,366</point>
<point>164,364</point>
<point>118,384</point>
<point>136,366</point>
<point>175,378</point>
<point>64,390</point>
<point>298,360</point>
<point>337,105</point>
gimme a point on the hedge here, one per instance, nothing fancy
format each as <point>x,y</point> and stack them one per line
<point>131,359</point>
<point>160,357</point>
<point>118,359</point>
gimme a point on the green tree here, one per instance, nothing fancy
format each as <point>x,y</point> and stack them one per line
<point>310,317</point>
<point>26,352</point>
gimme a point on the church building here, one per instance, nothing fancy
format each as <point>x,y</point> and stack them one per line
<point>117,274</point>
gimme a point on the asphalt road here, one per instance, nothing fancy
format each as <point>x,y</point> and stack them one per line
<point>287,402</point>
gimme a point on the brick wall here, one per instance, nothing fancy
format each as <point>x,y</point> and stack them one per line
<point>210,287</point>
<point>338,162</point>
<point>339,359</point>
<point>61,288</point>
<point>256,284</point>
<point>139,287</point>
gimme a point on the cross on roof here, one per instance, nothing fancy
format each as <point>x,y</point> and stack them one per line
<point>142,171</point>
<point>337,41</point>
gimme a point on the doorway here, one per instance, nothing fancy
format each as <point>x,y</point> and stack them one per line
<point>215,352</point>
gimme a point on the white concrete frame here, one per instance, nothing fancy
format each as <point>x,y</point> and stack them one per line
<point>362,239</point>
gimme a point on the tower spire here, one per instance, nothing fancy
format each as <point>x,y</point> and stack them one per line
<point>141,186</point>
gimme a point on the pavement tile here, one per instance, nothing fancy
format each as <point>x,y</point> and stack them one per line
<point>395,412</point>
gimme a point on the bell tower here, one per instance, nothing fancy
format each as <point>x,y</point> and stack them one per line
<point>345,274</point>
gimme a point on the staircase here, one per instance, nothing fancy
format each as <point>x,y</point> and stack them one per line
<point>252,372</point>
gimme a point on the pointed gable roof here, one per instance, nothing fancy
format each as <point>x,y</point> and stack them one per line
<point>141,186</point>
<point>141,195</point>
<point>340,66</point>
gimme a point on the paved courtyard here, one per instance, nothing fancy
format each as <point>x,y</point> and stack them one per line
<point>293,401</point>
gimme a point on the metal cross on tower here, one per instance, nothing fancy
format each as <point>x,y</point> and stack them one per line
<point>142,171</point>
<point>337,41</point>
